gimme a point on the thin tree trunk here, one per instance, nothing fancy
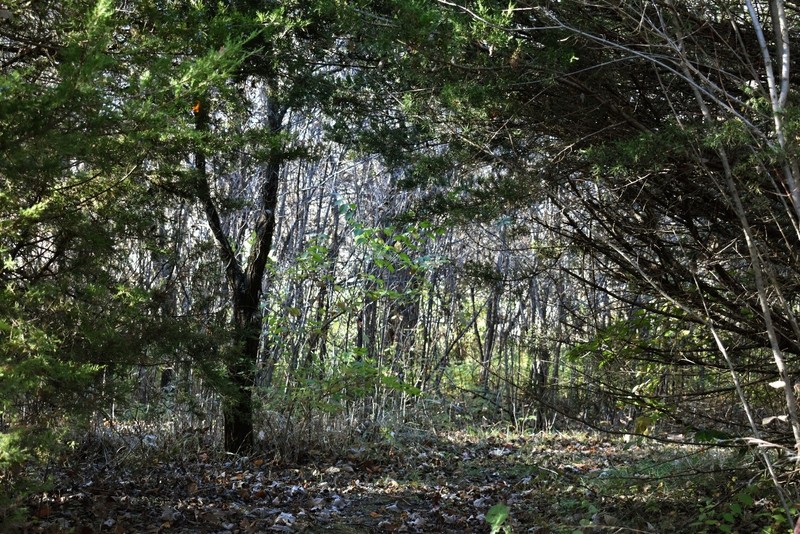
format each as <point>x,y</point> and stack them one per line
<point>756,261</point>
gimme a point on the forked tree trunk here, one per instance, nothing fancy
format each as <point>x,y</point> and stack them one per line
<point>244,281</point>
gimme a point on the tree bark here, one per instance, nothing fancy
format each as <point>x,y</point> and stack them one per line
<point>245,282</point>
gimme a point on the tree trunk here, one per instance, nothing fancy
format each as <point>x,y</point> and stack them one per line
<point>237,405</point>
<point>245,282</point>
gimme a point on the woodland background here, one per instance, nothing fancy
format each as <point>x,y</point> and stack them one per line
<point>289,226</point>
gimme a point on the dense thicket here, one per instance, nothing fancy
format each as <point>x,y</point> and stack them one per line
<point>654,145</point>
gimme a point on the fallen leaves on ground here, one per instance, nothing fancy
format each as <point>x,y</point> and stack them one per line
<point>420,483</point>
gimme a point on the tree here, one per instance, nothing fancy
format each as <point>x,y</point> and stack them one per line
<point>292,55</point>
<point>201,115</point>
<point>77,212</point>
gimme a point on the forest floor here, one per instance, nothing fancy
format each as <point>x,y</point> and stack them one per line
<point>413,482</point>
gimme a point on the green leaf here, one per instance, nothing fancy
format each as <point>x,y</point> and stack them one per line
<point>711,435</point>
<point>745,498</point>
<point>496,516</point>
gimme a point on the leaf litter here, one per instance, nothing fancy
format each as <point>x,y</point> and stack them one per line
<point>425,482</point>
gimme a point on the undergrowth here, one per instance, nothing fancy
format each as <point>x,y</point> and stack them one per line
<point>563,481</point>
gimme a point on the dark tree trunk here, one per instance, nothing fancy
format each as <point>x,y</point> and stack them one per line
<point>237,412</point>
<point>245,282</point>
<point>369,328</point>
<point>492,315</point>
<point>237,407</point>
